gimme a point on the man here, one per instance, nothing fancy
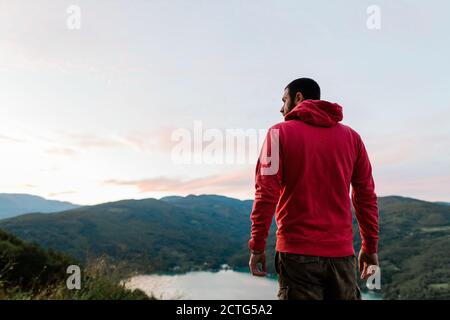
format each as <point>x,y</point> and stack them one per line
<point>313,162</point>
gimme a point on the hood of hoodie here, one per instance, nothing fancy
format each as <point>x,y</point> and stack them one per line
<point>317,112</point>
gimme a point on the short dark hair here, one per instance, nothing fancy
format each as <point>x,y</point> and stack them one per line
<point>308,88</point>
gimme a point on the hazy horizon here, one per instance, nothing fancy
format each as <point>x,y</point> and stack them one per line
<point>197,195</point>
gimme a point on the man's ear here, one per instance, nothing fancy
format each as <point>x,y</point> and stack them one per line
<point>298,98</point>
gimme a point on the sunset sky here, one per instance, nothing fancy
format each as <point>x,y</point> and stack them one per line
<point>86,115</point>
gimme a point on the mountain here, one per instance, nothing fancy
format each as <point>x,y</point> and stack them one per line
<point>443,203</point>
<point>161,234</point>
<point>414,248</point>
<point>185,233</point>
<point>210,200</point>
<point>16,204</point>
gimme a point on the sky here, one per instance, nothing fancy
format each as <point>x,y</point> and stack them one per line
<point>88,110</point>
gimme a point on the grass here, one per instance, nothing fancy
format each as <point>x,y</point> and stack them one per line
<point>28,272</point>
<point>100,280</point>
<point>440,286</point>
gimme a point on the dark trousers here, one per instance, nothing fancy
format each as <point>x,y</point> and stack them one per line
<point>302,277</point>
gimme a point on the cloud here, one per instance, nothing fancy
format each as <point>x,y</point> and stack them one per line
<point>88,141</point>
<point>159,139</point>
<point>229,182</point>
<point>404,149</point>
<point>431,188</point>
<point>10,139</point>
<point>28,186</point>
<point>142,141</point>
<point>55,194</point>
<point>62,152</point>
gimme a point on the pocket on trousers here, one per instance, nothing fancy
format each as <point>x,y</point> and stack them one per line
<point>300,258</point>
<point>276,261</point>
<point>358,295</point>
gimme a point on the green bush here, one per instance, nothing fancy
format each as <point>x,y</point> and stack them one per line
<point>29,272</point>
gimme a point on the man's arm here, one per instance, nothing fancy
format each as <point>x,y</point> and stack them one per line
<point>364,201</point>
<point>268,179</point>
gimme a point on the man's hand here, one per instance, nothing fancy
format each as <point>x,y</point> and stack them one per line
<point>255,259</point>
<point>365,260</point>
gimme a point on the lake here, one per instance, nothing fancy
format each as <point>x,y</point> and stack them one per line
<point>207,285</point>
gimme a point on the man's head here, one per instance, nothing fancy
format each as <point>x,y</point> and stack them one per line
<point>298,91</point>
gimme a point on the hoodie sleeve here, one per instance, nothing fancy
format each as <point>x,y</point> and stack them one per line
<point>364,200</point>
<point>268,177</point>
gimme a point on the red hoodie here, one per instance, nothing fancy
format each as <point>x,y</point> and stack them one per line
<point>319,159</point>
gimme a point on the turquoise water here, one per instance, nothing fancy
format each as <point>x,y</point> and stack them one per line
<point>207,285</point>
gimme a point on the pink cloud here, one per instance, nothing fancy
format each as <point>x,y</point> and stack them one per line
<point>28,186</point>
<point>229,182</point>
<point>62,152</point>
<point>88,141</point>
<point>431,188</point>
<point>54,194</point>
<point>159,139</point>
<point>10,139</point>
